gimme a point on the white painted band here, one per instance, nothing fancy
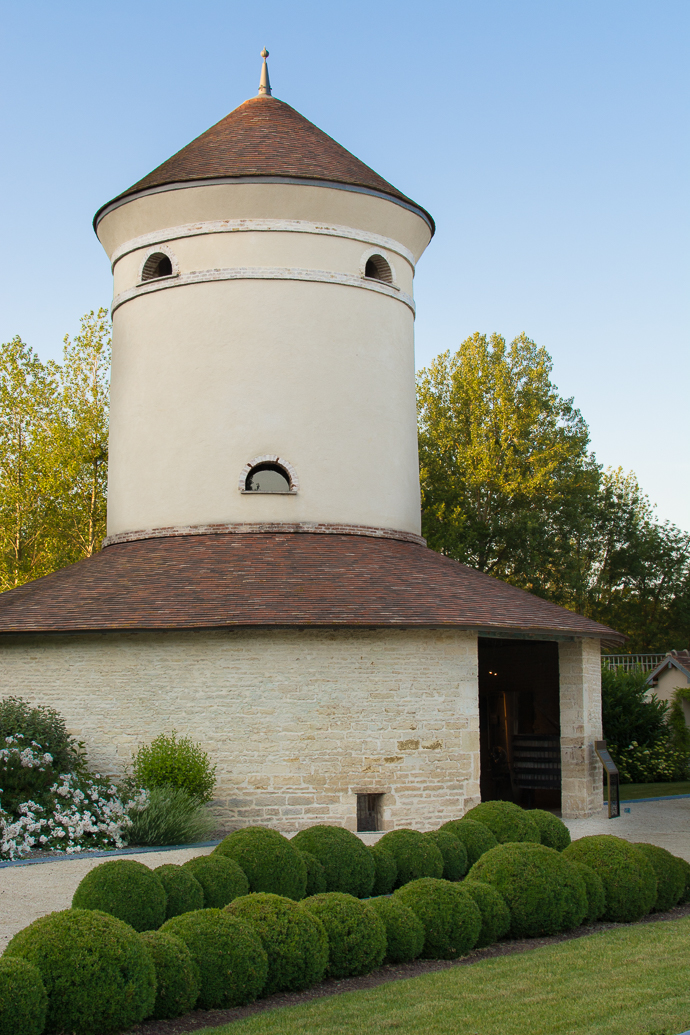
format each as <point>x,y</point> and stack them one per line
<point>262,273</point>
<point>232,226</point>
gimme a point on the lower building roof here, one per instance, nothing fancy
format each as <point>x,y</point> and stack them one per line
<point>280,579</point>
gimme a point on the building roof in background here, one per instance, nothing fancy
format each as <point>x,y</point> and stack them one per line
<point>678,659</point>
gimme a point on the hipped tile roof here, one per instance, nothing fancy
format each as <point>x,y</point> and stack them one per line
<point>266,579</point>
<point>266,137</point>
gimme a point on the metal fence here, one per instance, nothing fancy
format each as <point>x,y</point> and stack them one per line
<point>632,662</point>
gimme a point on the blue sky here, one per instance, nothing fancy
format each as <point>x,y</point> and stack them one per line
<point>548,138</point>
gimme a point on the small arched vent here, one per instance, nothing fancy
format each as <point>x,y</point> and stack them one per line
<point>267,478</point>
<point>378,269</point>
<point>157,265</point>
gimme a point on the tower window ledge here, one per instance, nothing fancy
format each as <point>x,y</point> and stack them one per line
<point>269,492</point>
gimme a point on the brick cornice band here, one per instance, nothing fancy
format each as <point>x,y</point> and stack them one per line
<point>271,527</point>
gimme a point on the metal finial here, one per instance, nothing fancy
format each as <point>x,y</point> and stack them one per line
<point>265,82</point>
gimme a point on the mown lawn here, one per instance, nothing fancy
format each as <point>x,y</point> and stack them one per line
<point>633,791</point>
<point>629,981</point>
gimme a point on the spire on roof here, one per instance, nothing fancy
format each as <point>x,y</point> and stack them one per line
<point>265,82</point>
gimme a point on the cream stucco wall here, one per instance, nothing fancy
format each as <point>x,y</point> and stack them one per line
<point>298,721</point>
<point>669,680</point>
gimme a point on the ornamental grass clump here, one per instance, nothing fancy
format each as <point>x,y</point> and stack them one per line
<point>506,821</point>
<point>386,871</point>
<point>596,898</point>
<point>232,961</point>
<point>126,889</point>
<point>453,851</point>
<point>628,878</point>
<point>184,893</point>
<point>452,921</point>
<point>543,893</point>
<point>270,861</point>
<point>356,934</point>
<point>670,877</point>
<point>554,833</point>
<point>23,999</point>
<point>171,817</point>
<point>294,939</point>
<point>404,930</point>
<point>476,837</point>
<point>494,912</point>
<point>316,875</point>
<point>415,854</point>
<point>177,762</point>
<point>96,971</point>
<point>348,863</point>
<point>221,879</point>
<point>178,980</point>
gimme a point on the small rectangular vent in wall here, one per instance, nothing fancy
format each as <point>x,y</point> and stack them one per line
<point>369,812</point>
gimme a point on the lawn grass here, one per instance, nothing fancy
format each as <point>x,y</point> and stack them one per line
<point>628,981</point>
<point>634,791</point>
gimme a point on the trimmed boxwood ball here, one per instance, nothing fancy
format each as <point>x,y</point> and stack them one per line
<point>316,875</point>
<point>544,894</point>
<point>221,879</point>
<point>356,934</point>
<point>453,851</point>
<point>270,861</point>
<point>178,981</point>
<point>452,921</point>
<point>685,867</point>
<point>670,878</point>
<point>494,912</point>
<point>294,939</point>
<point>404,930</point>
<point>596,899</point>
<point>416,855</point>
<point>96,971</point>
<point>184,892</point>
<point>23,999</point>
<point>476,837</point>
<point>628,878</point>
<point>232,961</point>
<point>125,889</point>
<point>506,821</point>
<point>386,871</point>
<point>347,862</point>
<point>554,832</point>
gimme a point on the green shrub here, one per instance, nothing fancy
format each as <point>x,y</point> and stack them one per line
<point>23,999</point>
<point>232,961</point>
<point>629,712</point>
<point>596,899</point>
<point>386,871</point>
<point>628,878</point>
<point>348,863</point>
<point>126,889</point>
<point>494,912</point>
<point>476,837</point>
<point>356,934</point>
<point>544,894</point>
<point>177,762</point>
<point>183,890</point>
<point>316,875</point>
<point>178,981</point>
<point>506,821</point>
<point>685,867</point>
<point>294,939</point>
<point>270,861</point>
<point>554,833</point>
<point>452,922</point>
<point>670,877</point>
<point>453,851</point>
<point>172,817</point>
<point>221,879</point>
<point>653,763</point>
<point>95,969</point>
<point>404,930</point>
<point>416,855</point>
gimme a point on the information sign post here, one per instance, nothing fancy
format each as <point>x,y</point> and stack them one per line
<point>611,778</point>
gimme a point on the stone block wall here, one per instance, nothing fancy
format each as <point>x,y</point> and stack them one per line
<point>298,721</point>
<point>579,664</point>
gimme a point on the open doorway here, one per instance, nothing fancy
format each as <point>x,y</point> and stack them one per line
<point>519,721</point>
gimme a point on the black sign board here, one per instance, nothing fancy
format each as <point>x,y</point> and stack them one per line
<point>611,778</point>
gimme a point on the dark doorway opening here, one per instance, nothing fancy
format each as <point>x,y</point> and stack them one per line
<point>519,722</point>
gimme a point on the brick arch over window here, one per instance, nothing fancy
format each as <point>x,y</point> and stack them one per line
<point>269,458</point>
<point>159,262</point>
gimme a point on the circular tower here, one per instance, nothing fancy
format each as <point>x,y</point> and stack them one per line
<point>263,354</point>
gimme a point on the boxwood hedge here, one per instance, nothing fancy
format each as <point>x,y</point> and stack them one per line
<point>270,861</point>
<point>404,930</point>
<point>125,889</point>
<point>416,855</point>
<point>178,981</point>
<point>221,879</point>
<point>476,837</point>
<point>96,971</point>
<point>685,867</point>
<point>356,934</point>
<point>596,899</point>
<point>506,821</point>
<point>294,939</point>
<point>453,851</point>
<point>494,912</point>
<point>628,878</point>
<point>554,833</point>
<point>184,893</point>
<point>23,999</point>
<point>316,875</point>
<point>348,863</point>
<point>670,877</point>
<point>451,919</point>
<point>386,871</point>
<point>232,961</point>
